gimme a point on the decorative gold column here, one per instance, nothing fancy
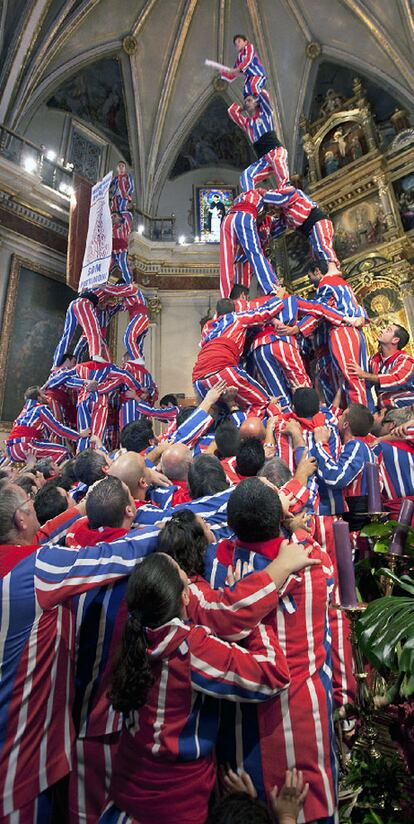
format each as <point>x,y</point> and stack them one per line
<point>387,201</point>
<point>309,148</point>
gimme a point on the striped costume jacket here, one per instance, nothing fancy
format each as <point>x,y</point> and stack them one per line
<point>36,655</point>
<point>294,729</point>
<point>396,378</point>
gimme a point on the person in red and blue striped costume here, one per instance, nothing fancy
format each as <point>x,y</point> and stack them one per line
<point>347,345</point>
<point>296,726</point>
<point>391,369</point>
<point>31,430</point>
<point>258,124</point>
<point>222,346</point>
<point>247,63</point>
<point>37,649</point>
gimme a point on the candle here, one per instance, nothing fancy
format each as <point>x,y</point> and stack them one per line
<point>405,517</point>
<point>374,489</point>
<point>346,573</point>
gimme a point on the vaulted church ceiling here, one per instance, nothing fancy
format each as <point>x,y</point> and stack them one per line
<point>49,48</point>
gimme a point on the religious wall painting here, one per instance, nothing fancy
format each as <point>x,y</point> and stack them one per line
<point>214,141</point>
<point>95,95</point>
<point>33,323</point>
<point>211,204</point>
<point>404,193</point>
<point>380,294</point>
<point>358,227</point>
<point>341,145</point>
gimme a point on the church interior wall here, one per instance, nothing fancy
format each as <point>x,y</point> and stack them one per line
<point>51,128</point>
<point>177,194</point>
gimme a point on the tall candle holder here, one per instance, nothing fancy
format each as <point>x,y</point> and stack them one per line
<point>367,734</point>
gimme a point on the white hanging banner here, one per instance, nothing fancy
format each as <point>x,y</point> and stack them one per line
<point>98,249</point>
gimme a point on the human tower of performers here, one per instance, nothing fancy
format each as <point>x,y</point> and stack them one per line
<point>125,684</point>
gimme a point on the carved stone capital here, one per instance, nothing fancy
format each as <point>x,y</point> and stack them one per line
<point>219,85</point>
<point>129,44</point>
<point>313,50</point>
<point>154,308</point>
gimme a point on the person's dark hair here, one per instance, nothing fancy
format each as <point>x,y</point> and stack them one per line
<point>27,483</point>
<point>169,398</point>
<point>250,457</point>
<point>402,335</point>
<point>90,296</point>
<point>32,393</point>
<point>305,402</point>
<point>67,475</point>
<point>65,356</point>
<point>224,306</point>
<point>227,438</point>
<point>239,291</point>
<point>45,466</point>
<point>49,502</point>
<point>276,471</point>
<point>206,476</point>
<point>253,511</point>
<point>242,36</point>
<point>137,436</point>
<point>360,420</point>
<point>106,503</point>
<point>153,598</point>
<point>183,538</point>
<point>89,466</point>
<point>320,264</point>
<point>183,414</point>
<point>4,474</point>
<point>239,808</point>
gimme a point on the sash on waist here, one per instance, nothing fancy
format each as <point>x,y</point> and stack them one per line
<point>23,432</point>
<point>250,208</point>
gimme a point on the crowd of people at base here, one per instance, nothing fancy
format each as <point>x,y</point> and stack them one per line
<point>169,646</point>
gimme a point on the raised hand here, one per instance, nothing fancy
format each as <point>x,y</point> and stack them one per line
<point>287,804</point>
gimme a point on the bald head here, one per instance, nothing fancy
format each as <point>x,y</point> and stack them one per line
<point>253,428</point>
<point>176,461</point>
<point>130,468</point>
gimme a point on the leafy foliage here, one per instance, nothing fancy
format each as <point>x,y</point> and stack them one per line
<point>383,783</point>
<point>386,632</point>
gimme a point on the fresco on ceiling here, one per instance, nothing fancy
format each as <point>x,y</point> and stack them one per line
<point>214,141</point>
<point>404,191</point>
<point>95,95</point>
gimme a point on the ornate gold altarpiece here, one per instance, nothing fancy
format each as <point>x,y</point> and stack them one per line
<point>368,192</point>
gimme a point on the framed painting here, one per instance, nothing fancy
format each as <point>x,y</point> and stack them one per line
<point>211,204</point>
<point>404,192</point>
<point>358,227</point>
<point>33,320</point>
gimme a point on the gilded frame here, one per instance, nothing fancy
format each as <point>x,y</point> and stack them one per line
<point>17,263</point>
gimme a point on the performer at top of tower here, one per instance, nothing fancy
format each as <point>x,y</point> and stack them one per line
<point>257,121</point>
<point>247,63</point>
